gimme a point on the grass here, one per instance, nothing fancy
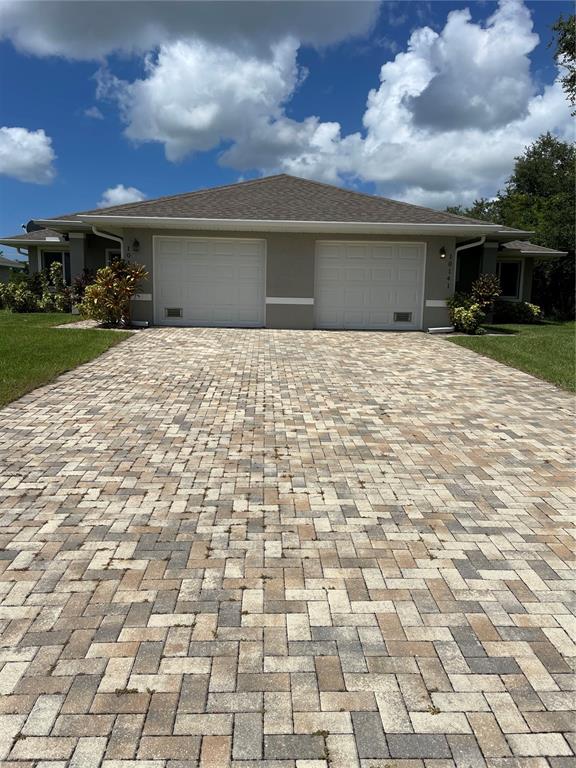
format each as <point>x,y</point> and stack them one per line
<point>33,352</point>
<point>547,351</point>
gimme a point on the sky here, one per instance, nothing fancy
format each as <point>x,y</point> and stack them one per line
<point>108,102</point>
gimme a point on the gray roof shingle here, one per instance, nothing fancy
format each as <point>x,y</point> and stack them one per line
<point>4,262</point>
<point>282,198</point>
<point>526,247</point>
<point>44,235</point>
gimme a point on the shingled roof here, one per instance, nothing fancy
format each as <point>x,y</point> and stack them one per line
<point>4,262</point>
<point>523,246</point>
<point>36,236</point>
<point>280,198</point>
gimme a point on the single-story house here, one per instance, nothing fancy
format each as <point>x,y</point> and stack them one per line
<point>6,267</point>
<point>286,252</point>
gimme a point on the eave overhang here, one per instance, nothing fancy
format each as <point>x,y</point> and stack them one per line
<point>14,243</point>
<point>275,225</point>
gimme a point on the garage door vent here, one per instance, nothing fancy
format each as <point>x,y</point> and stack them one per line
<point>402,317</point>
<point>173,311</point>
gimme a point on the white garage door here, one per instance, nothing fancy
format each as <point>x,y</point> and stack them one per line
<point>209,281</point>
<point>369,285</point>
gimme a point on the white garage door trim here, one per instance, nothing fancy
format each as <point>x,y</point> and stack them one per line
<point>262,247</point>
<point>419,323</point>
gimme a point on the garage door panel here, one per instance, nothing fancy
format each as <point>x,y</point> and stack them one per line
<point>408,275</point>
<point>363,285</point>
<point>354,296</point>
<point>212,282</point>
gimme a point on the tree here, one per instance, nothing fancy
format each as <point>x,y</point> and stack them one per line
<point>540,194</point>
<point>540,197</point>
<point>483,209</point>
<point>565,54</point>
<point>544,168</point>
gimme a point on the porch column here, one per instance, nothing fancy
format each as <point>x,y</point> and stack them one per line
<point>77,242</point>
<point>489,254</point>
<point>527,279</point>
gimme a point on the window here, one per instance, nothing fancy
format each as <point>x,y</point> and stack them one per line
<point>509,274</point>
<point>49,257</point>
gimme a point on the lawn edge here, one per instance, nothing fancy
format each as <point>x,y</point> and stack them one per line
<point>484,354</point>
<point>116,340</point>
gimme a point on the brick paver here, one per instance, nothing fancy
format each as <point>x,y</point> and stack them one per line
<point>287,549</point>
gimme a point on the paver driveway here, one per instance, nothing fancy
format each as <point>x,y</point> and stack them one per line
<point>283,548</point>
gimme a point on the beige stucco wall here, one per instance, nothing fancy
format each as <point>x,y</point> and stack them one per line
<point>290,270</point>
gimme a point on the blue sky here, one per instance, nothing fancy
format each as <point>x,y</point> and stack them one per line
<point>195,103</point>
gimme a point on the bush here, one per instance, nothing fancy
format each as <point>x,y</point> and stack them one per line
<point>107,300</point>
<point>40,292</point>
<point>468,311</point>
<point>459,300</point>
<point>485,290</point>
<point>17,297</point>
<point>517,312</point>
<point>79,285</point>
<point>55,294</point>
<point>468,319</point>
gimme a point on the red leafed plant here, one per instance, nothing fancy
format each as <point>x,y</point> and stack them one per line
<point>107,299</point>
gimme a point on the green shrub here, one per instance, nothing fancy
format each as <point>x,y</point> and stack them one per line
<point>17,297</point>
<point>468,310</point>
<point>485,290</point>
<point>517,312</point>
<point>468,319</point>
<point>459,300</point>
<point>107,300</point>
<point>40,292</point>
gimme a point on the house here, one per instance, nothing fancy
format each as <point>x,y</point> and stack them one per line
<point>6,267</point>
<point>286,252</point>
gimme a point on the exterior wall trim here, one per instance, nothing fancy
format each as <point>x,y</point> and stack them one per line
<point>289,225</point>
<point>288,300</point>
<point>436,303</point>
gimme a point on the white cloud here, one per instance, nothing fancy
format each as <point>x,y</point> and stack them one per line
<point>26,155</point>
<point>119,195</point>
<point>94,113</point>
<point>413,152</point>
<point>92,30</point>
<point>195,95</point>
<point>451,112</point>
<point>480,77</point>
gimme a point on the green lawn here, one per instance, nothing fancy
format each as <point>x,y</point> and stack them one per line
<point>546,351</point>
<point>32,351</point>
